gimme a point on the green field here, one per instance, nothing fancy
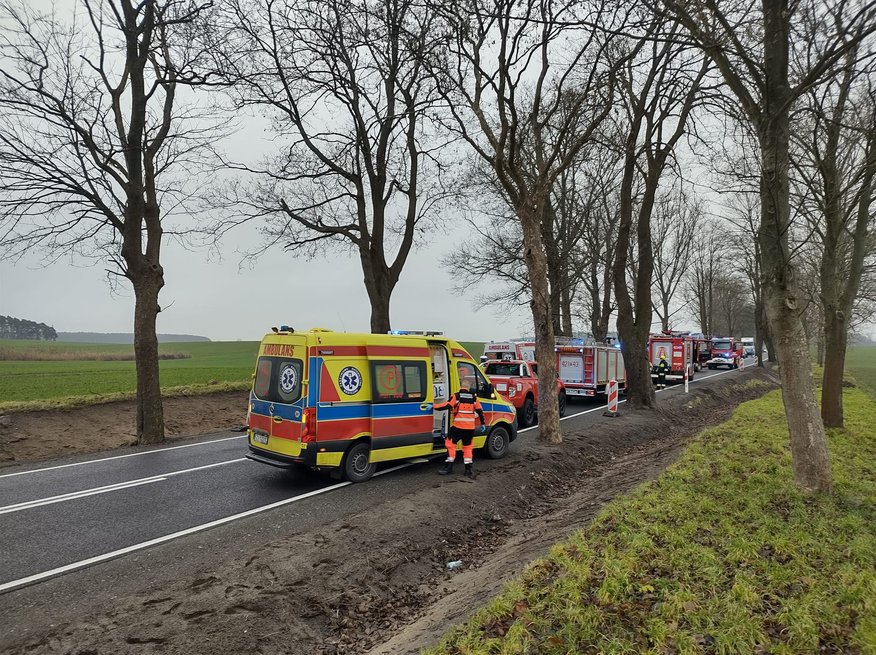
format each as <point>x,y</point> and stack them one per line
<point>224,364</point>
<point>722,554</point>
<point>212,365</point>
<point>861,365</point>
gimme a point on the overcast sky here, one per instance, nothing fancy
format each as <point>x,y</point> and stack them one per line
<point>216,297</point>
<point>222,301</point>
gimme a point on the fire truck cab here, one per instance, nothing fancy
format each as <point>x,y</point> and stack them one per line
<point>726,351</point>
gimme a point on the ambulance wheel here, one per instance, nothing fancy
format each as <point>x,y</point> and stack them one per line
<point>562,400</point>
<point>357,465</point>
<point>497,443</point>
<point>526,414</point>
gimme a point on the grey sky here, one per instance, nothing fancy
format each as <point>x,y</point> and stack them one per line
<point>219,300</point>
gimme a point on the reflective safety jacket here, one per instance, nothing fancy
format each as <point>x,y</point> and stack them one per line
<point>663,367</point>
<point>463,405</point>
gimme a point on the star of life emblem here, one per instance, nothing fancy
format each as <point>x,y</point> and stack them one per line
<point>350,380</point>
<point>288,379</point>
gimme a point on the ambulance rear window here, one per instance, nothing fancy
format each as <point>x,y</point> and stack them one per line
<point>399,381</point>
<point>278,379</point>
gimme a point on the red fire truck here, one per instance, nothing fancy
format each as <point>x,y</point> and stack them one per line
<point>726,351</point>
<point>587,369</point>
<point>680,350</point>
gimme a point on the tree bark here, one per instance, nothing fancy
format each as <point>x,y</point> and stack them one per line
<point>835,342</point>
<point>811,460</point>
<point>379,285</point>
<point>536,264</point>
<point>150,412</point>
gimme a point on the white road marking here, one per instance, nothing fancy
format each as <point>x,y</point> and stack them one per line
<point>73,495</point>
<point>107,459</point>
<point>38,577</point>
<point>602,408</point>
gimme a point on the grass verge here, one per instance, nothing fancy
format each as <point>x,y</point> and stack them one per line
<point>720,554</point>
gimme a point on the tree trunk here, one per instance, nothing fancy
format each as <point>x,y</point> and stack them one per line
<point>150,412</point>
<point>379,298</point>
<point>566,307</point>
<point>554,265</point>
<point>836,342</point>
<point>809,452</point>
<point>536,265</point>
<point>379,285</point>
<point>759,336</point>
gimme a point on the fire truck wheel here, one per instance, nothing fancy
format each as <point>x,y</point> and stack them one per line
<point>526,414</point>
<point>712,367</point>
<point>562,400</point>
<point>357,467</point>
<point>497,443</point>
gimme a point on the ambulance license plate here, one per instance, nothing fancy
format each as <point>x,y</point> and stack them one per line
<point>260,437</point>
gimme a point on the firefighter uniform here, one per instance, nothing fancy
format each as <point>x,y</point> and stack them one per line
<point>463,406</point>
<point>662,369</point>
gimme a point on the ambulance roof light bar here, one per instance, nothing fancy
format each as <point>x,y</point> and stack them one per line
<point>420,333</point>
<point>283,328</point>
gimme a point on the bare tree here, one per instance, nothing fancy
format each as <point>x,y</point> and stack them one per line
<point>577,230</point>
<point>346,88</point>
<point>745,217</point>
<point>750,43</point>
<point>705,263</point>
<point>835,164</point>
<point>94,146</point>
<point>676,220</point>
<point>514,67</point>
<point>661,88</point>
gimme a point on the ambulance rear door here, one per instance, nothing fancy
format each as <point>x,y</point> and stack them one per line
<point>278,399</point>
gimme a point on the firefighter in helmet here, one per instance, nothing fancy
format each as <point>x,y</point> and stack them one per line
<point>662,370</point>
<point>463,406</point>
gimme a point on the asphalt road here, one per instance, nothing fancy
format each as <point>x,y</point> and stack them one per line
<point>67,515</point>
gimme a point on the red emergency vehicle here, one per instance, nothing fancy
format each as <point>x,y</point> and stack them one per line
<point>515,349</point>
<point>585,370</point>
<point>726,351</point>
<point>680,351</point>
<point>517,380</point>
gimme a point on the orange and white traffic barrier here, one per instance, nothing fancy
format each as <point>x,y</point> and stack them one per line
<point>611,391</point>
<point>686,378</point>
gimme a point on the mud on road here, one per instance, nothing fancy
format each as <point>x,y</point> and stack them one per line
<point>377,582</point>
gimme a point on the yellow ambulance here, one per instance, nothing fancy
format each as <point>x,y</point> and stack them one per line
<point>329,400</point>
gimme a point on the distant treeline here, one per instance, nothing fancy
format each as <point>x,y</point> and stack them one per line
<point>20,328</point>
<point>122,337</point>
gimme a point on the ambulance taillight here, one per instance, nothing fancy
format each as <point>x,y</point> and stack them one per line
<point>308,424</point>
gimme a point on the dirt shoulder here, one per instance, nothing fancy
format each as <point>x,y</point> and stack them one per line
<point>377,582</point>
<point>32,436</point>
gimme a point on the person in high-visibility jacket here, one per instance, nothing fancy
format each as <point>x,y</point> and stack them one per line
<point>662,369</point>
<point>463,406</point>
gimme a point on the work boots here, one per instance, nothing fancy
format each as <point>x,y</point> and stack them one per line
<point>447,468</point>
<point>468,471</point>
